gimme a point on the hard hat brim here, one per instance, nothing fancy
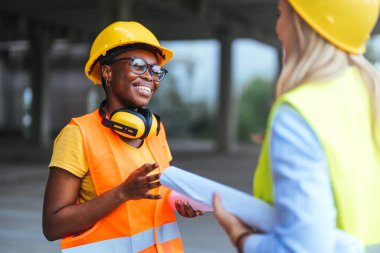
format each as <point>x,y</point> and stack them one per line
<point>92,67</point>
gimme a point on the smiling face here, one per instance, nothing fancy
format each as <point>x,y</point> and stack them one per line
<point>126,88</point>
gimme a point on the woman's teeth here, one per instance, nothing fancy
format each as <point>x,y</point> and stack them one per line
<point>144,88</point>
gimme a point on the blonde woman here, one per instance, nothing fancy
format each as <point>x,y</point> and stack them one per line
<point>320,162</point>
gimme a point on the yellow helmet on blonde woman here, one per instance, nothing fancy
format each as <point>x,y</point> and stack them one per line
<point>345,23</point>
<point>119,34</point>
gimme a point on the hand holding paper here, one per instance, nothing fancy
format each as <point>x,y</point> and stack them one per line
<point>249,209</point>
<point>174,196</point>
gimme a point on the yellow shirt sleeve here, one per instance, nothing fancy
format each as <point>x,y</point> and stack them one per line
<point>68,153</point>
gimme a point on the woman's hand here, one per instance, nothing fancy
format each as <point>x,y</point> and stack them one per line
<point>62,216</point>
<point>138,184</point>
<point>185,210</point>
<point>234,228</point>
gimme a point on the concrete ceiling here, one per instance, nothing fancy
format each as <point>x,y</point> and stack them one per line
<point>81,20</point>
<point>41,21</point>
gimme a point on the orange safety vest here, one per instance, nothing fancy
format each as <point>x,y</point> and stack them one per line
<point>130,228</point>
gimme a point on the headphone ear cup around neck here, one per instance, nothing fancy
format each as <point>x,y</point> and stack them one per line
<point>129,123</point>
<point>128,119</point>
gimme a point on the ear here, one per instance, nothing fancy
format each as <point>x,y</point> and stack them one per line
<point>106,72</point>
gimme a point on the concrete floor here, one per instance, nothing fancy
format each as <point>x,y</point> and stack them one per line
<point>23,178</point>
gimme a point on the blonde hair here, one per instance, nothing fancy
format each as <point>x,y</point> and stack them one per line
<point>315,59</point>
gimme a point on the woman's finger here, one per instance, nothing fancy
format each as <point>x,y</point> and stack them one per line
<point>186,209</point>
<point>153,196</point>
<point>189,210</point>
<point>153,185</point>
<point>146,169</point>
<point>179,208</point>
<point>152,178</point>
<point>217,204</point>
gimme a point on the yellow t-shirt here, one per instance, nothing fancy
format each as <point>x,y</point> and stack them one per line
<point>68,154</point>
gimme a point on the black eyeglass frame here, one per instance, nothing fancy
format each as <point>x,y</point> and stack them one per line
<point>148,66</point>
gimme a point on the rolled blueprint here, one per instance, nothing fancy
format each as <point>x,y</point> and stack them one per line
<point>248,208</point>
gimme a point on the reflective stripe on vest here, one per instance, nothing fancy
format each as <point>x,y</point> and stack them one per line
<point>130,244</point>
<point>124,230</point>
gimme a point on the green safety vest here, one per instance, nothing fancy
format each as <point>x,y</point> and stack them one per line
<point>338,111</point>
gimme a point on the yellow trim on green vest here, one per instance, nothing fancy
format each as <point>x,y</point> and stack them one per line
<point>338,111</point>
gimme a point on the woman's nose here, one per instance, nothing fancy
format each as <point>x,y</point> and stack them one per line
<point>147,74</point>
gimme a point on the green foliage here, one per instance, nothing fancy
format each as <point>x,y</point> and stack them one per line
<point>253,108</point>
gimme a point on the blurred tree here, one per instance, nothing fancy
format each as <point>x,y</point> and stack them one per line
<point>253,108</point>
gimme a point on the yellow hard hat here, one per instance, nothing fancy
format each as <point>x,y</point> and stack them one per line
<point>118,34</point>
<point>345,23</point>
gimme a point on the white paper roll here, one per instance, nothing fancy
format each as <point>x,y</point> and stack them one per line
<point>248,208</point>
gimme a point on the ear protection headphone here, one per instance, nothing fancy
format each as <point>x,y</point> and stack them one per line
<point>131,124</point>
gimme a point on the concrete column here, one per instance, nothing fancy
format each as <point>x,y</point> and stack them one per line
<point>124,10</point>
<point>112,11</point>
<point>6,92</point>
<point>226,121</point>
<point>40,45</point>
<point>115,10</point>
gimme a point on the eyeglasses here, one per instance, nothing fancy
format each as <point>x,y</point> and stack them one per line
<point>139,66</point>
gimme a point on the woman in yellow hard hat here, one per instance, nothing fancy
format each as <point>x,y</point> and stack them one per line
<point>103,193</point>
<point>320,162</point>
